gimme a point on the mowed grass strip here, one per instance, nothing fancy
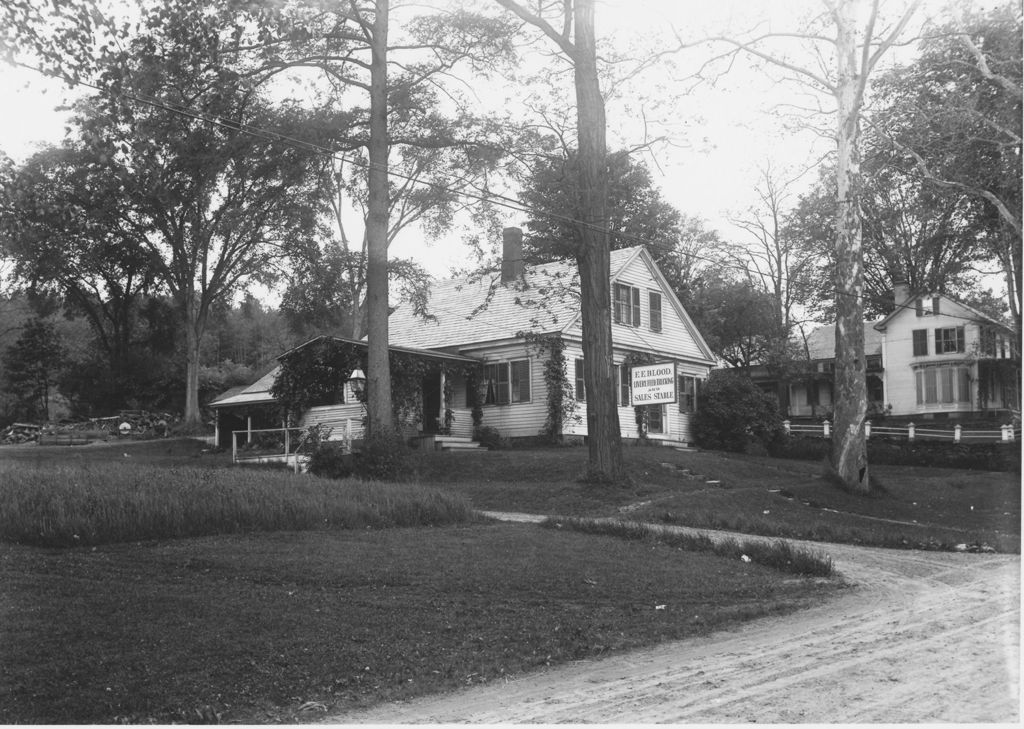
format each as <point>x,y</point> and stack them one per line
<point>282,626</point>
<point>92,503</point>
<point>921,508</point>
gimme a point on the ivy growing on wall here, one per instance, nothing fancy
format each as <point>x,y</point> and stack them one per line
<point>315,374</point>
<point>640,412</point>
<point>561,403</point>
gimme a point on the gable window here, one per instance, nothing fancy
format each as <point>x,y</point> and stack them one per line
<point>950,339</point>
<point>507,382</point>
<point>654,299</point>
<point>688,388</point>
<point>626,305</point>
<point>927,306</point>
<point>920,342</point>
<point>581,387</point>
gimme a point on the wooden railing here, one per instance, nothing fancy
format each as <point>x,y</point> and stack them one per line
<point>291,447</point>
<point>957,434</point>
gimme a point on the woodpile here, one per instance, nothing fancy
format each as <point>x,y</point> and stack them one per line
<point>135,424</point>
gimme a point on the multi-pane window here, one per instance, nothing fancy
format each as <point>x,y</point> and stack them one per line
<point>507,382</point>
<point>581,387</point>
<point>626,305</point>
<point>943,385</point>
<point>655,419</point>
<point>950,339</point>
<point>688,388</point>
<point>920,342</point>
<point>654,300</point>
<point>622,377</point>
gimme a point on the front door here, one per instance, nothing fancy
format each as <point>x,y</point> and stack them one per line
<point>431,388</point>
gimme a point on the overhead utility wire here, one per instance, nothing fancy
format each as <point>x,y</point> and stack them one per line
<point>488,197</point>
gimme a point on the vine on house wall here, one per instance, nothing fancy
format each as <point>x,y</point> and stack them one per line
<point>474,399</point>
<point>640,412</point>
<point>561,403</point>
<point>316,375</point>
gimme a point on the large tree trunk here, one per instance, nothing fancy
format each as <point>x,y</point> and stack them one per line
<point>849,445</point>
<point>604,438</point>
<point>193,342</point>
<point>378,375</point>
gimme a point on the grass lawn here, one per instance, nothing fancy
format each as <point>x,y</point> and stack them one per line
<point>921,507</point>
<point>276,626</point>
<point>282,626</point>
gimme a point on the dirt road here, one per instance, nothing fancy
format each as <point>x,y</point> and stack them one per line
<point>923,637</point>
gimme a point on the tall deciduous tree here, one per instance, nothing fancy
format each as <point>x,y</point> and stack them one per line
<point>953,117</point>
<point>68,230</point>
<point>575,39</point>
<point>214,203</point>
<point>392,114</point>
<point>855,48</point>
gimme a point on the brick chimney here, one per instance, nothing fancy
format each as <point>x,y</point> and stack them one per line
<point>900,292</point>
<point>511,254</point>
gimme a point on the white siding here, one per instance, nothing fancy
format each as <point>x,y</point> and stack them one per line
<point>677,424</point>
<point>900,362</point>
<point>519,419</point>
<point>674,340</point>
<point>340,418</point>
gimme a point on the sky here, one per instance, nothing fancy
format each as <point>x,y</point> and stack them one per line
<point>716,137</point>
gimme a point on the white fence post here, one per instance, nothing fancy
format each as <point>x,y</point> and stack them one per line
<point>957,430</point>
<point>785,425</point>
<point>910,431</point>
<point>826,428</point>
<point>1003,429</point>
<point>867,428</point>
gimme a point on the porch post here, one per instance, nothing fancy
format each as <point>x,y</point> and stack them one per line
<point>216,428</point>
<point>443,407</point>
<point>248,428</point>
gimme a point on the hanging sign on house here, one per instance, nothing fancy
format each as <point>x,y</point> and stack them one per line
<point>653,384</point>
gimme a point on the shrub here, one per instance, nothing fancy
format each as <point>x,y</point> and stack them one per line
<point>330,461</point>
<point>383,457</point>
<point>489,437</point>
<point>733,411</point>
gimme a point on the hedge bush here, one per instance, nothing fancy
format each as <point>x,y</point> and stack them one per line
<point>972,456</point>
<point>734,413</point>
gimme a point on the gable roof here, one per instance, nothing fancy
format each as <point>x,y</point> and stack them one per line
<point>473,310</point>
<point>908,305</point>
<point>468,311</point>
<point>821,343</point>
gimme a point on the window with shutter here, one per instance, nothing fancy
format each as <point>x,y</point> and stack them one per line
<point>626,305</point>
<point>624,383</point>
<point>949,340</point>
<point>520,374</point>
<point>920,342</point>
<point>654,301</point>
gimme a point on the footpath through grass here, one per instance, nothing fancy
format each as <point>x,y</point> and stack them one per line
<point>925,508</point>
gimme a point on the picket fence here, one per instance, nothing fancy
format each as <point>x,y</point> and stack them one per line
<point>956,434</point>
